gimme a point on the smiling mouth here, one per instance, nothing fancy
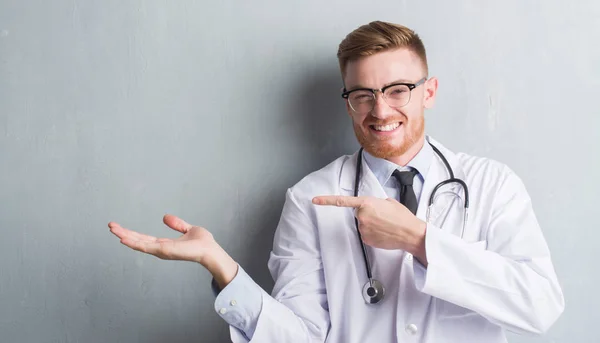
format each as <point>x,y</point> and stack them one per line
<point>386,128</point>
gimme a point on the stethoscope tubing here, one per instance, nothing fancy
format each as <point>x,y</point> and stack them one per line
<point>373,290</point>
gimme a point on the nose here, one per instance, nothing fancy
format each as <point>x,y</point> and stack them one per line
<point>381,109</point>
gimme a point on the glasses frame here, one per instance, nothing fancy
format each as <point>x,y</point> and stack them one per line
<point>411,86</point>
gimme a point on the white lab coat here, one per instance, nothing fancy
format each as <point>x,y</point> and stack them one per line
<point>498,277</point>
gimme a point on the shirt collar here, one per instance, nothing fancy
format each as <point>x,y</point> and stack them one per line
<point>383,168</point>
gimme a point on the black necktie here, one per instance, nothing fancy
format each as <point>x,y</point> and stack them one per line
<point>407,193</point>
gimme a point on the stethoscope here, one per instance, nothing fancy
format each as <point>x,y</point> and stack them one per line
<point>373,291</point>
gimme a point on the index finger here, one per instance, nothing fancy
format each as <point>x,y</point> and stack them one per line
<point>123,233</point>
<point>338,200</point>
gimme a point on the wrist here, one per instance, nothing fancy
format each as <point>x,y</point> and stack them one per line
<point>222,266</point>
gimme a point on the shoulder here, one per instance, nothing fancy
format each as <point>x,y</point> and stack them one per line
<point>474,167</point>
<point>478,165</point>
<point>473,164</point>
<point>325,180</point>
<point>490,173</point>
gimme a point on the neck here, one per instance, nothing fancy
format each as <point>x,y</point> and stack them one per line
<point>403,159</point>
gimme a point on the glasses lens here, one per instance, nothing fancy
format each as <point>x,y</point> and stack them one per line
<point>397,96</point>
<point>361,101</point>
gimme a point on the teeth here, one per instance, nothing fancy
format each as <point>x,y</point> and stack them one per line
<point>389,127</point>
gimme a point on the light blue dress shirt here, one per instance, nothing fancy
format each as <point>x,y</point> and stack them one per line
<point>240,302</point>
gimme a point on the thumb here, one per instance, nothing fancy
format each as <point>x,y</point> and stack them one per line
<point>176,223</point>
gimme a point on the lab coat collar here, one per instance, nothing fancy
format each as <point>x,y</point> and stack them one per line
<point>383,169</point>
<point>438,173</point>
<point>370,186</point>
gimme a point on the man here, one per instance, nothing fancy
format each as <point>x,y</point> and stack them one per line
<point>445,277</point>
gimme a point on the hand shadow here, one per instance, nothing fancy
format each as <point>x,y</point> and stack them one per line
<point>317,122</point>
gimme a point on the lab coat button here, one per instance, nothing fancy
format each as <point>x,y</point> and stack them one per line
<point>409,257</point>
<point>222,310</point>
<point>411,329</point>
<point>233,303</point>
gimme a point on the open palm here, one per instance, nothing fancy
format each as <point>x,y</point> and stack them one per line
<point>191,246</point>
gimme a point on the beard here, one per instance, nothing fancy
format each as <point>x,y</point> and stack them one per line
<point>384,148</point>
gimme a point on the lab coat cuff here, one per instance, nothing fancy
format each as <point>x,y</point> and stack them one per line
<point>419,271</point>
<point>240,302</point>
<point>446,254</point>
<point>427,281</point>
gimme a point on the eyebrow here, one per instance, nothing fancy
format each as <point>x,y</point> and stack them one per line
<point>385,85</point>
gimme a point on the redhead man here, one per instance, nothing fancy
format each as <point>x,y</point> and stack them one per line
<point>378,246</point>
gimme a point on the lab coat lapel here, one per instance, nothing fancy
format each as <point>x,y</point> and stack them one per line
<point>368,186</point>
<point>445,208</point>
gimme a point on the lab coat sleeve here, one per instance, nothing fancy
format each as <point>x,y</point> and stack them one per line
<point>507,278</point>
<point>297,310</point>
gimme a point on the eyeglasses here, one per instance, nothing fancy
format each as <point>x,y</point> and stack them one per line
<point>362,100</point>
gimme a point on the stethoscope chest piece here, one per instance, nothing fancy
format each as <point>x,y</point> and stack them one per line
<point>373,291</point>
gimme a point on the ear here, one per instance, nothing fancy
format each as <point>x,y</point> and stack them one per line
<point>348,109</point>
<point>430,92</point>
